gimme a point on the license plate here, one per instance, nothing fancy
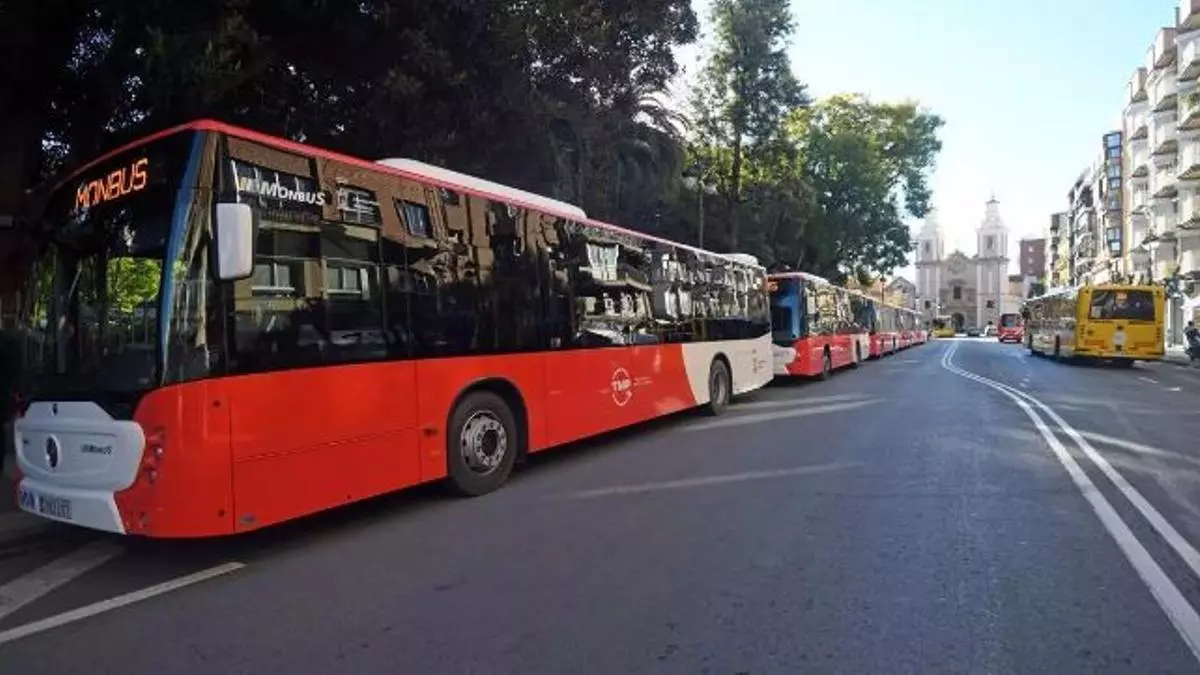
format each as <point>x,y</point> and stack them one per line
<point>54,507</point>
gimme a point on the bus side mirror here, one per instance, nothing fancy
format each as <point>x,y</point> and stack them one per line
<point>235,242</point>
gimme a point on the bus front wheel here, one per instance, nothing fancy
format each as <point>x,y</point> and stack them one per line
<point>720,388</point>
<point>481,444</point>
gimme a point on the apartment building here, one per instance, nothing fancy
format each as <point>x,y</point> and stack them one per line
<point>1032,261</point>
<point>1081,219</point>
<point>1161,164</point>
<point>1059,242</point>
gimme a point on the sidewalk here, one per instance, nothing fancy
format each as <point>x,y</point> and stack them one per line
<point>1177,356</point>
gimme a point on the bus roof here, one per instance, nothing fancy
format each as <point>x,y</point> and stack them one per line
<point>1062,290</point>
<point>483,185</point>
<point>801,275</point>
<point>404,168</point>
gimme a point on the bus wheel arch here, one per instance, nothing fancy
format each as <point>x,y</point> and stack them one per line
<point>720,385</point>
<point>492,407</point>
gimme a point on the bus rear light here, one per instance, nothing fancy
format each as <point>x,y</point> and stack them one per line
<point>156,439</point>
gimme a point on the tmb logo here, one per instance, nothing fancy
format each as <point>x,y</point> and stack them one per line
<point>622,387</point>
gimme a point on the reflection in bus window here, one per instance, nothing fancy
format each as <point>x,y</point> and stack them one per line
<point>1121,305</point>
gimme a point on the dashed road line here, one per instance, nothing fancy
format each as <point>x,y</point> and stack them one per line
<point>1151,380</point>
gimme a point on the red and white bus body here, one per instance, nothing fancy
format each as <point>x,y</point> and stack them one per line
<point>1011,329</point>
<point>813,327</point>
<point>912,334</point>
<point>886,338</point>
<point>386,300</point>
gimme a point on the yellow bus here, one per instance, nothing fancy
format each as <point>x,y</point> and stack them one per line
<point>1119,322</point>
<point>943,326</point>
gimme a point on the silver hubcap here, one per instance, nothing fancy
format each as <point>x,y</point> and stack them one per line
<point>483,442</point>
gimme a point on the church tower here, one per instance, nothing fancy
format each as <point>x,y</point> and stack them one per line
<point>930,253</point>
<point>991,265</point>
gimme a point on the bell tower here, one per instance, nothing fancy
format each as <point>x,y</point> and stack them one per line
<point>930,253</point>
<point>992,264</point>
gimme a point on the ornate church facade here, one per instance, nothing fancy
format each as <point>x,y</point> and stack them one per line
<point>971,290</point>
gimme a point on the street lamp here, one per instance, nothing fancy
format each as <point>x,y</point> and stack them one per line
<point>694,178</point>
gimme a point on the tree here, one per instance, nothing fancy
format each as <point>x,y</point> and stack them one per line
<point>744,95</point>
<point>866,164</point>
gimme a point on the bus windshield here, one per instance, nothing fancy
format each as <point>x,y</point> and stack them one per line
<point>92,321</point>
<point>1131,305</point>
<point>1010,320</point>
<point>787,317</point>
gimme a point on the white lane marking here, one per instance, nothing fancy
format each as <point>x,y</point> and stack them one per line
<point>705,481</point>
<point>25,589</point>
<point>799,401</point>
<point>1180,613</point>
<point>119,601</point>
<point>738,420</point>
<point>1151,380</point>
<point>1152,515</point>
<point>1174,388</point>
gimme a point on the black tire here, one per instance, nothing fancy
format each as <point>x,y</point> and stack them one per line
<point>857,355</point>
<point>826,365</point>
<point>1057,350</point>
<point>720,388</point>
<point>1124,363</point>
<point>482,441</point>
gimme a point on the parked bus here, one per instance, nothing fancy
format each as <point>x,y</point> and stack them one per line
<point>1120,322</point>
<point>879,322</point>
<point>1011,329</point>
<point>886,339</point>
<point>232,330</point>
<point>814,328</point>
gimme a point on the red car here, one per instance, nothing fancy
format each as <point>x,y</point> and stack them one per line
<point>1011,329</point>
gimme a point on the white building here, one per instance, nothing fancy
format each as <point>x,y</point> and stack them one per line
<point>1162,166</point>
<point>974,290</point>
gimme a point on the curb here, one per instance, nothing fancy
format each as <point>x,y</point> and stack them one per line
<point>1179,362</point>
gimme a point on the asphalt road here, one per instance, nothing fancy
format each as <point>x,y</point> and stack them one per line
<point>906,517</point>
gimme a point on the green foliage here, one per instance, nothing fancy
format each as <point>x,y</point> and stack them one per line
<point>562,97</point>
<point>745,93</point>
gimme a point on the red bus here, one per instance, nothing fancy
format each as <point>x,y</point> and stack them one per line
<point>230,330</point>
<point>912,331</point>
<point>815,329</point>
<point>1011,329</point>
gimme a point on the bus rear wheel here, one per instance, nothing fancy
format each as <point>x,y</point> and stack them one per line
<point>481,444</point>
<point>720,388</point>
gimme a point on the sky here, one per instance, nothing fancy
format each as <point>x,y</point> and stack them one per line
<point>1026,89</point>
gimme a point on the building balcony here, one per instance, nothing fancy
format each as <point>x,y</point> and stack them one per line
<point>1189,161</point>
<point>1163,221</point>
<point>1164,138</point>
<point>1136,88</point>
<point>1189,112</point>
<point>1163,182</point>
<point>1188,68</point>
<point>1189,210</point>
<point>1165,153</point>
<point>1163,90</point>
<point>1162,53</point>
<point>1189,17</point>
